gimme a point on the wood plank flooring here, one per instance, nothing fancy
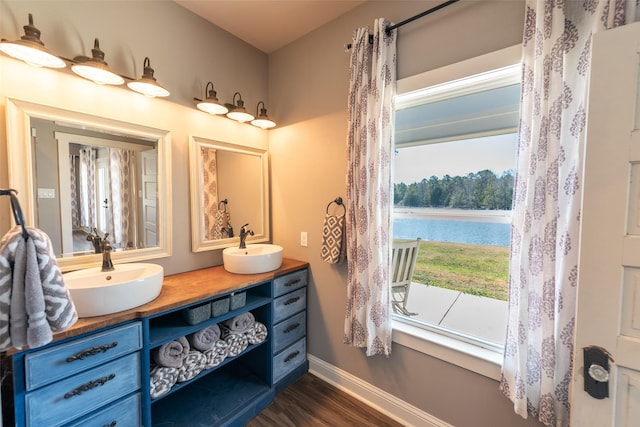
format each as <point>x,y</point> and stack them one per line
<point>312,402</point>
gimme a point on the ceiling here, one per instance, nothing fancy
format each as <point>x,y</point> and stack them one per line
<point>268,24</point>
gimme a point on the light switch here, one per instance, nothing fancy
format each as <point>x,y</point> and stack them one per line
<point>46,193</point>
<point>303,238</point>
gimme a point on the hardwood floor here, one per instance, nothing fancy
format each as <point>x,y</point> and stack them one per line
<point>311,402</point>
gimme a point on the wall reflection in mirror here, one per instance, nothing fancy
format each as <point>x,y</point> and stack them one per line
<point>105,185</point>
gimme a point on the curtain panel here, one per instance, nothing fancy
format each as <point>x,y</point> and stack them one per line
<point>369,191</point>
<point>536,372</point>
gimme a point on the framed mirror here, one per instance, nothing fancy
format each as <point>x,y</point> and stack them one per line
<point>229,188</point>
<point>78,175</point>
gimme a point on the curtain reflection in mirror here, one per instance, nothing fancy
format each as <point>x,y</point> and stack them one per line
<point>216,215</point>
<point>103,178</point>
<point>121,165</point>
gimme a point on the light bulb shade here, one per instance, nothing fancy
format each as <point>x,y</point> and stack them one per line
<point>96,69</point>
<point>211,104</point>
<point>147,84</point>
<point>238,112</point>
<point>30,49</point>
<point>263,121</point>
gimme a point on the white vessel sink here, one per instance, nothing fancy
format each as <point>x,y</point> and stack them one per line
<point>96,293</point>
<point>255,258</point>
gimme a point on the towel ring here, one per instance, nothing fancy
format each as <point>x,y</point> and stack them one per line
<point>337,201</point>
<point>18,216</point>
<point>225,201</point>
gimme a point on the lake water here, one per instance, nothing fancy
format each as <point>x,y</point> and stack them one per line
<point>443,230</point>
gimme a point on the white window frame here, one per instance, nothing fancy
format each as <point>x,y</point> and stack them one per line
<point>488,71</point>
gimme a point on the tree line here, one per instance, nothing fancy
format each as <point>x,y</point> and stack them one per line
<point>480,190</point>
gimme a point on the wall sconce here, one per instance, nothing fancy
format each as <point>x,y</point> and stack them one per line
<point>211,104</point>
<point>237,111</point>
<point>30,49</point>
<point>95,68</point>
<point>147,84</point>
<point>263,121</point>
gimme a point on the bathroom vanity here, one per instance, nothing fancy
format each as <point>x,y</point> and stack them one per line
<point>97,373</point>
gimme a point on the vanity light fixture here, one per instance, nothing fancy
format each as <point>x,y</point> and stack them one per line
<point>95,68</point>
<point>147,84</point>
<point>237,111</point>
<point>211,104</point>
<point>263,121</point>
<point>30,49</point>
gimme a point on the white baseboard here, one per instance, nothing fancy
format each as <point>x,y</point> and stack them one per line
<point>372,396</point>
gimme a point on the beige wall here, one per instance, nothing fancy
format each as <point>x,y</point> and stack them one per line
<point>308,83</point>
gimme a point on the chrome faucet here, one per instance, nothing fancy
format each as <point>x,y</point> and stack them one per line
<point>107,264</point>
<point>243,236</point>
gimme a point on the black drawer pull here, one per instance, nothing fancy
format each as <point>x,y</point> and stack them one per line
<point>92,352</point>
<point>291,356</point>
<point>291,282</point>
<point>292,327</point>
<point>112,424</point>
<point>291,300</point>
<point>88,386</point>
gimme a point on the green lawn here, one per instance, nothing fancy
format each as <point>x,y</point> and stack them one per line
<point>473,269</point>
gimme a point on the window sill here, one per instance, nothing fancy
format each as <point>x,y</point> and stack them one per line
<point>468,356</point>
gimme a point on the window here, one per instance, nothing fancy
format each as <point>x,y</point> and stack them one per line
<point>454,168</point>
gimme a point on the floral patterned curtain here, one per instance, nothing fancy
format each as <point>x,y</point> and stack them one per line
<point>369,152</point>
<point>121,165</point>
<point>73,189</point>
<point>546,214</point>
<point>87,186</point>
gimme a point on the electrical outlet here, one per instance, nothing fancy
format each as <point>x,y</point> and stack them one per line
<point>303,238</point>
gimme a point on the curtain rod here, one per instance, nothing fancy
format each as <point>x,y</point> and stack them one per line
<point>413,18</point>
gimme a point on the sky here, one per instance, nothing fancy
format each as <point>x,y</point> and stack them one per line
<point>496,153</point>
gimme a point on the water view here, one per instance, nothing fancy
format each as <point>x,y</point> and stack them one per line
<point>434,225</point>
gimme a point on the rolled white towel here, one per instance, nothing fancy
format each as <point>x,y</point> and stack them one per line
<point>217,354</point>
<point>192,365</point>
<point>237,343</point>
<point>257,333</point>
<point>162,379</point>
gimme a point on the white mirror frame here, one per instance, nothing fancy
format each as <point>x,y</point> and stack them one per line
<point>21,172</point>
<point>198,243</point>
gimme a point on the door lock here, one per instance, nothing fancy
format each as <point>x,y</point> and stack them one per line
<point>596,372</point>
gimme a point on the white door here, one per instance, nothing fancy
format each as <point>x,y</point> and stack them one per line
<point>609,278</point>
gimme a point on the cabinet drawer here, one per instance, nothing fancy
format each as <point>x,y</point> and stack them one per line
<point>289,331</point>
<point>85,392</point>
<point>289,304</point>
<point>55,363</point>
<point>289,282</point>
<point>125,413</point>
<point>289,359</point>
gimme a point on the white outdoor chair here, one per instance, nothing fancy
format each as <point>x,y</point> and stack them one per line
<point>403,262</point>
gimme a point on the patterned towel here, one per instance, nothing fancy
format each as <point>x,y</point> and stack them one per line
<point>217,354</point>
<point>34,301</point>
<point>237,343</point>
<point>333,248</point>
<point>257,333</point>
<point>192,365</point>
<point>162,379</point>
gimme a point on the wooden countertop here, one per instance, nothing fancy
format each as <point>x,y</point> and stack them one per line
<point>182,289</point>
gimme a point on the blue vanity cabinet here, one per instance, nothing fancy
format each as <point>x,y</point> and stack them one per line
<point>230,393</point>
<point>102,377</point>
<point>289,343</point>
<point>74,381</point>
